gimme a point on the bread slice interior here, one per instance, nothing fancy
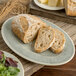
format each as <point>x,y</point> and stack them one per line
<point>45,39</point>
<point>59,43</point>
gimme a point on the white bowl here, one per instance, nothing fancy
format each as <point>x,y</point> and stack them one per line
<point>21,73</point>
<point>45,6</point>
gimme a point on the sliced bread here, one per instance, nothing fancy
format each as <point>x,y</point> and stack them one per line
<point>26,26</point>
<point>59,43</point>
<point>45,39</point>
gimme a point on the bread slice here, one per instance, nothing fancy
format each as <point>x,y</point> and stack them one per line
<point>26,26</point>
<point>59,43</point>
<point>70,7</point>
<point>45,39</point>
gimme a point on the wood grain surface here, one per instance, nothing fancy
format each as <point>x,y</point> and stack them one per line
<point>54,72</point>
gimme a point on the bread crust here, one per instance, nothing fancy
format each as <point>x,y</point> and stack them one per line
<point>17,32</point>
<point>70,7</point>
<point>50,44</point>
<point>20,30</point>
<point>60,49</point>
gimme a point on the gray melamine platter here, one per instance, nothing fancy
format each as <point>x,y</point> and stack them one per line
<point>27,50</point>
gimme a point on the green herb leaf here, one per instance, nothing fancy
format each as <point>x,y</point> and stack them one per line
<point>13,70</point>
<point>2,67</point>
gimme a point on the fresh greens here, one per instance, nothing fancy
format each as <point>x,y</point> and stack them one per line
<point>8,71</point>
<point>2,67</point>
<point>2,57</point>
<point>11,69</point>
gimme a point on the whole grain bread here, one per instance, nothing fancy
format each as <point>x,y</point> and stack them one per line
<point>45,39</point>
<point>70,7</point>
<point>59,43</point>
<point>26,26</point>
